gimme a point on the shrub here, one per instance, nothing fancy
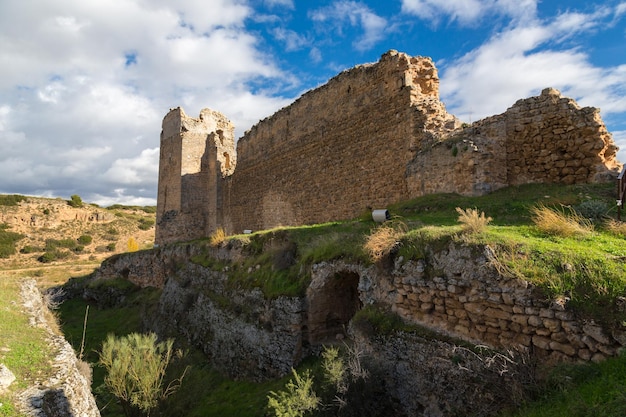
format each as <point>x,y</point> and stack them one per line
<point>11,200</point>
<point>7,241</point>
<point>133,246</point>
<point>146,224</point>
<point>593,210</point>
<point>298,398</point>
<point>558,223</point>
<point>75,201</point>
<point>52,255</point>
<point>136,366</point>
<point>53,244</point>
<point>110,247</point>
<point>30,249</point>
<point>472,221</point>
<point>85,240</point>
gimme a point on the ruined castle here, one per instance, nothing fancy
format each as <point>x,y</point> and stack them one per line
<point>373,135</point>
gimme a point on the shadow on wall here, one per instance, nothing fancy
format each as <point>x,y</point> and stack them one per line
<point>332,305</point>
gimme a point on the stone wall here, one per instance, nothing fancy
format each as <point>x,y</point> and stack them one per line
<point>458,290</point>
<point>373,135</point>
<point>195,156</point>
<point>67,391</point>
<point>543,139</point>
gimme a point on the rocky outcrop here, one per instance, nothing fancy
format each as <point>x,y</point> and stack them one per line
<point>242,333</point>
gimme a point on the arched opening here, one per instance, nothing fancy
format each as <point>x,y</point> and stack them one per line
<point>332,306</point>
<point>226,161</point>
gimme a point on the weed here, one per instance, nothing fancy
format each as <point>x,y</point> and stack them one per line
<point>616,227</point>
<point>217,237</point>
<point>558,223</point>
<point>384,239</point>
<point>472,221</point>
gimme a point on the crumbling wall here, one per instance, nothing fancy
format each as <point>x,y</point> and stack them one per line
<point>338,150</point>
<point>196,154</point>
<point>373,135</point>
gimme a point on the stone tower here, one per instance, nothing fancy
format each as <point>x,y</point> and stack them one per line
<point>196,154</point>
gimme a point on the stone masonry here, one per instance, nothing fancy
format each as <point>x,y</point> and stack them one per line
<point>373,135</point>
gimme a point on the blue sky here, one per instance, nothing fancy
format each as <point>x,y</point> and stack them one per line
<point>84,84</point>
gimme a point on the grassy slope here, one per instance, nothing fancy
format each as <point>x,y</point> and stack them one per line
<point>576,391</point>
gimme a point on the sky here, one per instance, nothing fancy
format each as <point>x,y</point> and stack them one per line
<point>85,84</point>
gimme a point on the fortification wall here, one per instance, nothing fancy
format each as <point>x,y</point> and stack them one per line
<point>337,151</point>
<point>371,136</point>
<point>196,154</point>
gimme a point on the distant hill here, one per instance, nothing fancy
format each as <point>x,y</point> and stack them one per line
<point>36,231</point>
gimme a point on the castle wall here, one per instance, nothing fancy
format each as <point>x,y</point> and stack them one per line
<point>336,152</point>
<point>371,136</point>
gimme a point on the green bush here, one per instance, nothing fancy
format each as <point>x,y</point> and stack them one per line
<point>30,249</point>
<point>53,244</point>
<point>11,200</point>
<point>7,241</point>
<point>85,239</point>
<point>145,224</point>
<point>53,255</point>
<point>594,210</point>
<point>75,201</point>
<point>136,365</point>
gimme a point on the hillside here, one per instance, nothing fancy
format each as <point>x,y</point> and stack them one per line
<point>53,231</point>
<point>587,269</point>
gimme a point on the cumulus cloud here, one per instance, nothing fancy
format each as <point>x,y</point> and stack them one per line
<point>523,59</point>
<point>88,83</point>
<point>352,14</point>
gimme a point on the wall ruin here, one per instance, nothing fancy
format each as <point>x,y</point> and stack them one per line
<point>373,135</point>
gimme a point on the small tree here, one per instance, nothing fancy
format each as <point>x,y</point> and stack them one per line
<point>136,366</point>
<point>75,201</point>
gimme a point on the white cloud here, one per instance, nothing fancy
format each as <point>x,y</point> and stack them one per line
<point>88,84</point>
<point>293,41</point>
<point>469,12</point>
<point>354,14</point>
<point>522,60</point>
<point>280,3</point>
<point>620,139</point>
<point>142,169</point>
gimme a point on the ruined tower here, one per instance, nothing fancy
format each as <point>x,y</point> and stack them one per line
<point>196,154</point>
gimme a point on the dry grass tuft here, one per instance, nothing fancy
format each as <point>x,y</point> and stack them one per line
<point>616,227</point>
<point>383,239</point>
<point>559,223</point>
<point>217,237</point>
<point>472,221</point>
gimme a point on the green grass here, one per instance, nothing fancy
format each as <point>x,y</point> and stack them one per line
<point>589,270</point>
<point>24,349</point>
<point>204,391</point>
<point>588,390</point>
<point>7,241</point>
